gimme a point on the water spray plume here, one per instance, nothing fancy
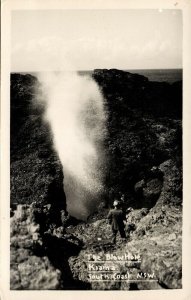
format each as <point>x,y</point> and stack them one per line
<point>75,112</point>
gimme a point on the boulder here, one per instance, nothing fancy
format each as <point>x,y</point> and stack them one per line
<point>29,271</point>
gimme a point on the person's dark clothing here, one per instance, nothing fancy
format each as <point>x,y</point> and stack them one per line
<point>116,218</point>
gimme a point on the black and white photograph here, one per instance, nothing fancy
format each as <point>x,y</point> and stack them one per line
<point>96,149</point>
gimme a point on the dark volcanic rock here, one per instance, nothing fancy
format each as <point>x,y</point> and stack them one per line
<point>40,251</point>
<point>143,163</point>
<point>36,172</point>
<point>30,267</point>
<point>159,249</point>
<point>144,130</point>
<point>156,98</point>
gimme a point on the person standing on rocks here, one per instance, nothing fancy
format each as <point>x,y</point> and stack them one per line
<point>116,219</point>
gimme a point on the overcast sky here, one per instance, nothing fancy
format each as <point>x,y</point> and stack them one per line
<point>88,39</point>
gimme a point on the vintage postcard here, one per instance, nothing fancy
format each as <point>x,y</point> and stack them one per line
<point>95,150</point>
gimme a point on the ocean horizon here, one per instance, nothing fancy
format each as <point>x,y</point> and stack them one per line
<point>159,75</point>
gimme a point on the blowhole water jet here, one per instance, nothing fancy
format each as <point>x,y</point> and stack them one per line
<point>75,112</point>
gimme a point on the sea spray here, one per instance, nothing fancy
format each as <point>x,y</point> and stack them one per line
<point>75,112</point>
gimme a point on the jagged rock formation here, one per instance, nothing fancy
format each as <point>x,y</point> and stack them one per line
<point>144,163</point>
<point>156,236</point>
<point>144,130</point>
<point>50,257</point>
<point>29,270</point>
<point>40,251</point>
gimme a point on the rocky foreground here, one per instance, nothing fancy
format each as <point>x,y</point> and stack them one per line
<point>47,256</point>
